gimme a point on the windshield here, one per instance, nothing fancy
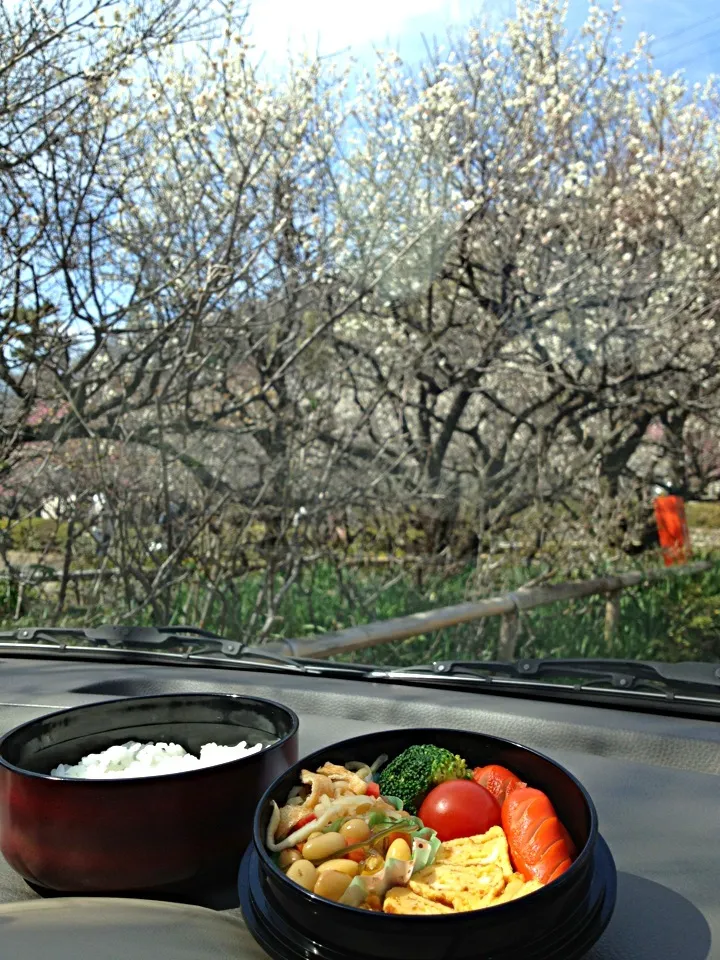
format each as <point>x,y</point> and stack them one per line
<point>314,318</point>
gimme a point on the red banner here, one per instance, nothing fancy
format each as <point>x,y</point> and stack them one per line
<point>672,529</point>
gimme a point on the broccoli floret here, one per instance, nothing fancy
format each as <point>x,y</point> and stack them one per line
<point>417,770</point>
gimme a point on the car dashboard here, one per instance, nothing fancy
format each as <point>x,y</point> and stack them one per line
<point>655,781</point>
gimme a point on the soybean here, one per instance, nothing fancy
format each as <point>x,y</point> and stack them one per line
<point>355,831</point>
<point>331,884</point>
<point>342,866</point>
<point>303,873</point>
<point>399,850</point>
<point>319,848</point>
<point>287,857</point>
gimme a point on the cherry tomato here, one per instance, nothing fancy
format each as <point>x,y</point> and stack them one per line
<point>498,780</point>
<point>459,808</point>
<point>373,790</point>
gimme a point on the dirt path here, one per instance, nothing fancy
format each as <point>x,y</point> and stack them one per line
<point>26,558</point>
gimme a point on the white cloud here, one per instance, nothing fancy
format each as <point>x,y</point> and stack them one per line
<point>330,26</point>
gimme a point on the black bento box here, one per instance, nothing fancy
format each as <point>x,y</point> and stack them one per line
<point>562,920</point>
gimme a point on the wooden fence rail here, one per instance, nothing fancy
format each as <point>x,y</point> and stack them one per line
<point>508,606</point>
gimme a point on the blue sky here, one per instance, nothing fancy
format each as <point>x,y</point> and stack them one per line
<point>687,31</point>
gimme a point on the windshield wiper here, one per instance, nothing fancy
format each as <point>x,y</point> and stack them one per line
<point>585,674</point>
<point>121,636</point>
<point>198,642</point>
<point>614,674</point>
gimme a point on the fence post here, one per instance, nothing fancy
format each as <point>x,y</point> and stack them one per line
<point>509,623</point>
<point>612,619</point>
<point>20,596</point>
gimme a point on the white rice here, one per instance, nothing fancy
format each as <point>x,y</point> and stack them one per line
<point>133,759</point>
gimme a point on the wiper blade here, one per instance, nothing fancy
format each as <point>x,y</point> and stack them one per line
<point>120,637</point>
<point>637,675</point>
<point>616,674</point>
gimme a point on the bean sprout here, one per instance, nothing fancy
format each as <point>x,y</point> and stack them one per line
<point>364,771</point>
<point>376,764</point>
<point>337,808</point>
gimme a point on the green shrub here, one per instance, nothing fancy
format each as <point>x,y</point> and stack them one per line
<point>36,534</point>
<point>8,599</point>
